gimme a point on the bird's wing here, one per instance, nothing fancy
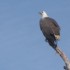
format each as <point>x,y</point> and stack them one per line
<point>55,23</point>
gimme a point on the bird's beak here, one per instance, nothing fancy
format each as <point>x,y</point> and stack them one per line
<point>40,13</point>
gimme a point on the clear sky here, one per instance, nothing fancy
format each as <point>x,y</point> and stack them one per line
<point>22,45</point>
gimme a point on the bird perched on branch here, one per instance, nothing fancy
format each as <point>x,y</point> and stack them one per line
<point>50,29</point>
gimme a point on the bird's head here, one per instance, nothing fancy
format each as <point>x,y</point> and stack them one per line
<point>43,14</point>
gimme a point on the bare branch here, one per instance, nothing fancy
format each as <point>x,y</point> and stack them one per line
<point>64,57</point>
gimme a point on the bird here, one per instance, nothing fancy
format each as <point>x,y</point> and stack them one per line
<point>50,29</point>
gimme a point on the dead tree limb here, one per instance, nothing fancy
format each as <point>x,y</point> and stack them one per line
<point>64,57</point>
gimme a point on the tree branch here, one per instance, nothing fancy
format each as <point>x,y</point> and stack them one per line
<point>64,57</point>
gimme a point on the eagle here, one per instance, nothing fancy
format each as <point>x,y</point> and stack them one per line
<point>50,29</point>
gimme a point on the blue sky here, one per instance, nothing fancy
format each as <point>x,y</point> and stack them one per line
<point>22,45</point>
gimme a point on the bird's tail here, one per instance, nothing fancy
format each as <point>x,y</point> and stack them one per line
<point>52,43</point>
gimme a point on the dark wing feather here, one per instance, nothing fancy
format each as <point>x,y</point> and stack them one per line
<point>49,27</point>
<point>54,26</point>
<point>54,22</point>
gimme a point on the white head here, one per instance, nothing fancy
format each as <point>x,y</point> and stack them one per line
<point>43,14</point>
